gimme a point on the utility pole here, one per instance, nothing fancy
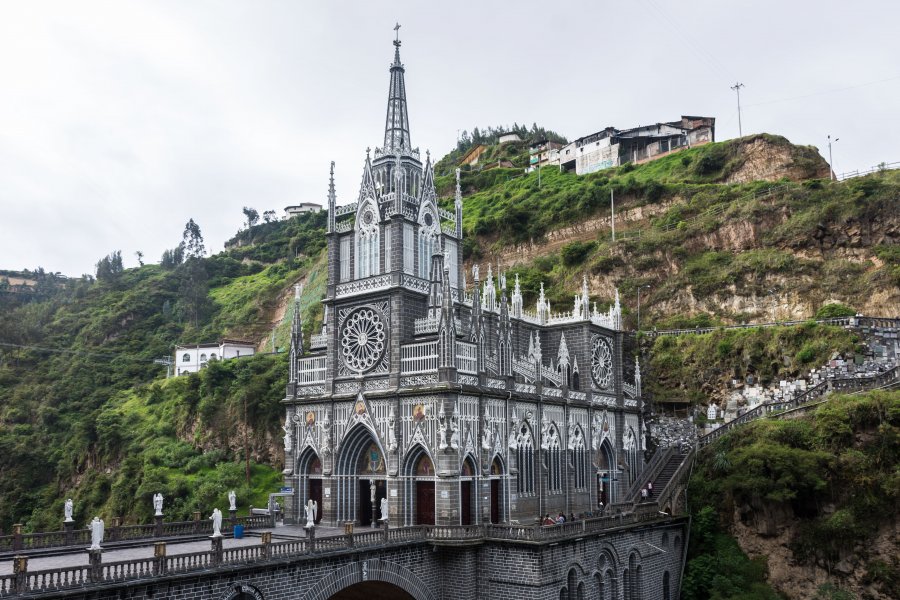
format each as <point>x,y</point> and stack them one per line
<point>830,161</point>
<point>737,88</point>
<point>612,212</point>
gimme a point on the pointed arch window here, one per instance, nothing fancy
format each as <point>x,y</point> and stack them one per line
<point>525,461</point>
<point>367,242</point>
<point>554,463</point>
<point>428,233</point>
<point>579,458</point>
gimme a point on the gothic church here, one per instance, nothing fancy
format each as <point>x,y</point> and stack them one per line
<point>458,404</point>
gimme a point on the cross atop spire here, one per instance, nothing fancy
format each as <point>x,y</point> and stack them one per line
<point>396,128</point>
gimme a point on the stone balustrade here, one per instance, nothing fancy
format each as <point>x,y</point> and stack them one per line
<point>96,572</point>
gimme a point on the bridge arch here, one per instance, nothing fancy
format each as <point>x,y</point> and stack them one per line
<point>375,570</point>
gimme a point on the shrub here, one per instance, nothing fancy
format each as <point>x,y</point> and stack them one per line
<point>834,310</point>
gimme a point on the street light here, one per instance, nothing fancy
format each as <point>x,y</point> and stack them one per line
<point>830,161</point>
<point>640,287</point>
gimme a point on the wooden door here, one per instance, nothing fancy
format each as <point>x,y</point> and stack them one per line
<point>315,492</point>
<point>424,503</point>
<point>465,497</point>
<point>495,501</point>
<point>365,503</point>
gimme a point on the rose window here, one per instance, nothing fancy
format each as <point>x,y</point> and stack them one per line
<point>601,362</point>
<point>363,340</point>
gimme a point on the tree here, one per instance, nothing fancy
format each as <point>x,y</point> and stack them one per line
<point>192,240</point>
<point>172,258</point>
<point>140,257</point>
<point>109,267</point>
<point>252,216</point>
<point>269,216</point>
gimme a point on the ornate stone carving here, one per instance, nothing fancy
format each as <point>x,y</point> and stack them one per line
<point>363,340</point>
<point>601,362</point>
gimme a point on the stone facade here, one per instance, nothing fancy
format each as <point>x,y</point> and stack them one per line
<point>455,403</point>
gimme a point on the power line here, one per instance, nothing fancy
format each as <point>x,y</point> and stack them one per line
<point>849,87</point>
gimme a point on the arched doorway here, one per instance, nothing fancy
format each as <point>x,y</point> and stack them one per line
<point>372,590</point>
<point>607,475</point>
<point>496,480</point>
<point>467,500</point>
<point>419,480</point>
<point>360,477</point>
<point>310,469</point>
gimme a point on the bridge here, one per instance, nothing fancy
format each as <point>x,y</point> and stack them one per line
<point>636,550</point>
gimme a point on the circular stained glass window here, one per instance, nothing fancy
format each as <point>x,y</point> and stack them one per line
<point>601,362</point>
<point>363,340</point>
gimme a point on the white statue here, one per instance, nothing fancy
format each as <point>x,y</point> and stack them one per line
<point>384,509</point>
<point>545,433</point>
<point>628,439</point>
<point>158,503</point>
<point>69,507</point>
<point>486,434</point>
<point>288,438</point>
<point>96,533</point>
<point>392,436</point>
<point>454,430</point>
<point>311,510</point>
<point>232,500</point>
<point>216,518</point>
<point>326,434</point>
<point>442,428</point>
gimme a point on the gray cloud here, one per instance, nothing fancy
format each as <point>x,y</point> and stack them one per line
<point>121,120</point>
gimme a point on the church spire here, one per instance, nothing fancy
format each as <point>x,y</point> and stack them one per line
<point>396,128</point>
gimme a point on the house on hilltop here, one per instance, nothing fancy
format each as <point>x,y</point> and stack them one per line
<point>611,147</point>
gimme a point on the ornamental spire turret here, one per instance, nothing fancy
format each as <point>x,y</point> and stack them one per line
<point>459,208</point>
<point>332,200</point>
<point>517,299</point>
<point>396,128</point>
<point>296,334</point>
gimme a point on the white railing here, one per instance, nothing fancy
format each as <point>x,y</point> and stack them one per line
<point>446,214</point>
<point>466,358</point>
<point>448,229</point>
<point>526,388</point>
<point>491,363</point>
<point>631,403</point>
<point>551,375</point>
<point>418,358</point>
<point>311,370</point>
<point>318,340</point>
<point>610,321</point>
<point>495,383</point>
<point>360,286</point>
<point>343,226</point>
<point>577,395</point>
<point>552,392</point>
<point>525,368</point>
<point>530,317</point>
<point>425,325</point>
<point>629,389</point>
<point>345,209</point>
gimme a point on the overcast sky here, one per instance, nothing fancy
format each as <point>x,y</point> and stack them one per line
<point>121,120</point>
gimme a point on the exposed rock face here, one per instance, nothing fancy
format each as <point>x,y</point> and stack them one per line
<point>768,532</point>
<point>763,160</point>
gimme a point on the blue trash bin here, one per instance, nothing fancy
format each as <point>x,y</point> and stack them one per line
<point>238,532</point>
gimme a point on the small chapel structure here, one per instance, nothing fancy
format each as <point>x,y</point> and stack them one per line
<point>454,402</point>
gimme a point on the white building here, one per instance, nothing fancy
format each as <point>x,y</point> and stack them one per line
<point>190,359</point>
<point>302,208</point>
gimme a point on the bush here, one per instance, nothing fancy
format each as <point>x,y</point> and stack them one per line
<point>835,310</point>
<point>573,254</point>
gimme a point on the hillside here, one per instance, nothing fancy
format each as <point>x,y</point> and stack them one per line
<point>85,412</point>
<point>812,500</point>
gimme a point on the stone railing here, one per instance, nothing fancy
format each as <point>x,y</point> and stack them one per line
<point>844,384</point>
<point>311,370</point>
<point>114,532</point>
<point>96,572</point>
<point>861,322</point>
<point>651,470</point>
<point>418,358</point>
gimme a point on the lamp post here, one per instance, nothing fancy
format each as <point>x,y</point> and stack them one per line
<point>640,287</point>
<point>830,161</point>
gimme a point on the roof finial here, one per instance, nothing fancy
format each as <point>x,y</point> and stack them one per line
<point>397,35</point>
